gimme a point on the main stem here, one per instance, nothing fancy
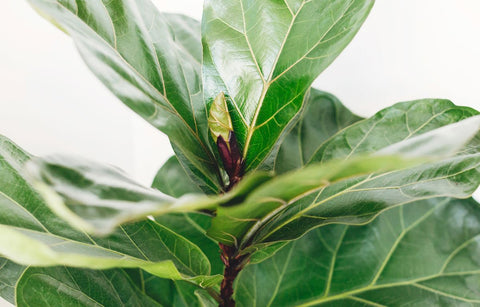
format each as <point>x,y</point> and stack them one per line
<point>234,263</point>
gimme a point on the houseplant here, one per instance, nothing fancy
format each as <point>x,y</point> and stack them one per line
<point>283,160</point>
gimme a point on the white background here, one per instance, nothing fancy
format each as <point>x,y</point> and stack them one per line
<point>50,102</point>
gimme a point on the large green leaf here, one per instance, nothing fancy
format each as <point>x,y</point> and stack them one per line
<point>266,54</point>
<point>31,234</point>
<point>167,292</point>
<point>420,254</point>
<point>394,124</point>
<point>291,204</point>
<point>323,115</point>
<point>151,61</point>
<point>173,180</point>
<point>359,200</point>
<point>62,286</point>
<point>10,273</point>
<point>97,198</point>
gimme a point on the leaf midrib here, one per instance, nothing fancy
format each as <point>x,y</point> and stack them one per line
<point>389,285</point>
<point>253,125</point>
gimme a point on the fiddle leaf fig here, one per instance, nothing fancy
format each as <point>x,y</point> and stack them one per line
<point>266,54</point>
<point>277,194</point>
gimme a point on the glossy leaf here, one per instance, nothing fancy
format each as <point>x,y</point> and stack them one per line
<point>150,61</point>
<point>33,235</point>
<point>175,293</point>
<point>10,273</point>
<point>237,224</point>
<point>62,286</point>
<point>266,54</point>
<point>219,121</point>
<point>322,116</point>
<point>420,254</point>
<point>97,198</point>
<point>394,124</point>
<point>172,180</point>
<point>359,200</point>
<point>193,226</point>
<point>280,210</point>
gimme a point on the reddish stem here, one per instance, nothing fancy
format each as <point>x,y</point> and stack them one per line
<point>234,263</point>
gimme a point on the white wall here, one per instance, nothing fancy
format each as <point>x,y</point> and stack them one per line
<point>410,49</point>
<point>50,102</point>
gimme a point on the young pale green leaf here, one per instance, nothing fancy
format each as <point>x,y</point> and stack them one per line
<point>322,116</point>
<point>97,198</point>
<point>266,54</point>
<point>151,62</point>
<point>392,125</point>
<point>63,286</point>
<point>420,254</point>
<point>219,121</point>
<point>31,234</point>
<point>10,273</point>
<point>280,210</point>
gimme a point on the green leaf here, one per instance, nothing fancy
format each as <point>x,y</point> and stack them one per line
<point>266,54</point>
<point>172,180</point>
<point>237,224</point>
<point>322,116</point>
<point>151,62</point>
<point>219,121</point>
<point>169,292</point>
<point>193,226</point>
<point>394,124</point>
<point>97,198</point>
<point>359,200</point>
<point>350,191</point>
<point>62,286</point>
<point>31,234</point>
<point>420,254</point>
<point>10,272</point>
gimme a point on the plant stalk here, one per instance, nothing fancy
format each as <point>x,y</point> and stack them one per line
<point>234,263</point>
